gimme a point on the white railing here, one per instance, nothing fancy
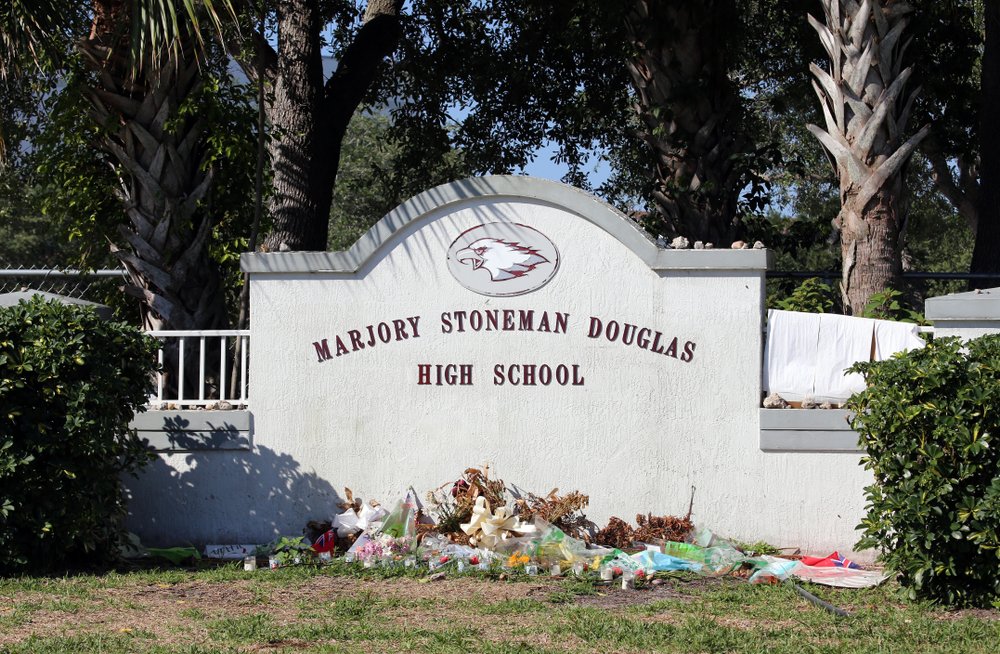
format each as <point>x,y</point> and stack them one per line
<point>231,346</point>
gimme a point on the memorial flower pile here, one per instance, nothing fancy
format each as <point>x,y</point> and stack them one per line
<point>477,523</point>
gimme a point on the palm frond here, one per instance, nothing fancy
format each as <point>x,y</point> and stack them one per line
<point>33,32</point>
<point>162,28</point>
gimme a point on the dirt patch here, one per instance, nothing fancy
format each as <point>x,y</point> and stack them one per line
<point>613,596</point>
<point>180,612</point>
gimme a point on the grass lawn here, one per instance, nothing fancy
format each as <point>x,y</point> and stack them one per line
<point>347,609</point>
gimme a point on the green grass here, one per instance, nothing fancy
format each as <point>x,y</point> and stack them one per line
<point>349,609</point>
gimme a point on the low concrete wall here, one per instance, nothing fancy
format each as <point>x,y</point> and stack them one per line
<point>192,431</point>
<point>807,430</point>
<point>967,315</point>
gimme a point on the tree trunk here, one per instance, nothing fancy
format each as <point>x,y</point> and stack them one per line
<point>295,121</point>
<point>870,249</point>
<point>986,253</point>
<point>690,112</point>
<point>866,109</point>
<point>310,118</point>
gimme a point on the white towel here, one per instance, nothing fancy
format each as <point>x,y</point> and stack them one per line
<point>790,353</point>
<point>892,337</point>
<point>843,341</point>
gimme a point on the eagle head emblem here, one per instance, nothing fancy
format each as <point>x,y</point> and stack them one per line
<point>502,259</point>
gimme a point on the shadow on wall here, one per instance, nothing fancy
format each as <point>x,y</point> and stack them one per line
<point>225,496</point>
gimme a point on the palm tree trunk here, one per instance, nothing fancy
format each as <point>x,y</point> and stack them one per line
<point>163,182</point>
<point>866,110</point>
<point>870,248</point>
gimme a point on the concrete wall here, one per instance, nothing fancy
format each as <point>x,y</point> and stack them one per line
<point>968,315</point>
<point>641,431</point>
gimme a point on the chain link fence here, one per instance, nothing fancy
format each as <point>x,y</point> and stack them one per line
<point>85,285</point>
<point>101,286</point>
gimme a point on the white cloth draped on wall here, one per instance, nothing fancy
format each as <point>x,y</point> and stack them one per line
<point>806,354</point>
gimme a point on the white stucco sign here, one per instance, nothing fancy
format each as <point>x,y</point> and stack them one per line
<point>527,325</point>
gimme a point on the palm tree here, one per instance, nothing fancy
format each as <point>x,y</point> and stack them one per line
<point>690,112</point>
<point>143,72</point>
<point>161,157</point>
<point>866,108</point>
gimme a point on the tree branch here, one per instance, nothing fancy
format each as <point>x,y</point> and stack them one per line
<point>376,40</point>
<point>962,195</point>
<point>247,58</point>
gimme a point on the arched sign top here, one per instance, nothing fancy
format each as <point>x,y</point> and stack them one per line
<point>506,188</point>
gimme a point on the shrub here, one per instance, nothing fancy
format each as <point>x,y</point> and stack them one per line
<point>890,304</point>
<point>811,296</point>
<point>928,421</point>
<point>69,385</point>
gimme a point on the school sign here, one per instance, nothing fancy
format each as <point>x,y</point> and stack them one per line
<point>524,324</point>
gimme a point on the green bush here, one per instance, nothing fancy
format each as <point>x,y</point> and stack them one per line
<point>928,421</point>
<point>69,385</point>
<point>811,296</point>
<point>891,304</point>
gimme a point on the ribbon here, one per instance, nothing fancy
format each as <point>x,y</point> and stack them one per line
<point>486,529</point>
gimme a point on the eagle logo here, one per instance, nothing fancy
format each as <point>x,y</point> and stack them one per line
<point>502,259</point>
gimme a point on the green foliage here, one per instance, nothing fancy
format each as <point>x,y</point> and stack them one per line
<point>371,180</point>
<point>890,304</point>
<point>69,385</point>
<point>811,296</point>
<point>290,550</point>
<point>927,421</point>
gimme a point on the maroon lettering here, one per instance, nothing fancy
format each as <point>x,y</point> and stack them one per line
<point>356,343</point>
<point>527,323</point>
<point>672,348</point>
<point>544,375</point>
<point>688,352</point>
<point>508,320</point>
<point>628,338</point>
<point>577,378</point>
<point>460,319</point>
<point>611,331</point>
<point>322,351</point>
<point>643,341</point>
<point>543,324</point>
<point>341,348</point>
<point>510,374</point>
<point>562,321</point>
<point>475,320</point>
<point>528,374</point>
<point>384,332</point>
<point>445,323</point>
<point>450,374</point>
<point>492,320</point>
<point>656,347</point>
<point>414,320</point>
<point>498,375</point>
<point>595,327</point>
<point>371,335</point>
<point>562,375</point>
